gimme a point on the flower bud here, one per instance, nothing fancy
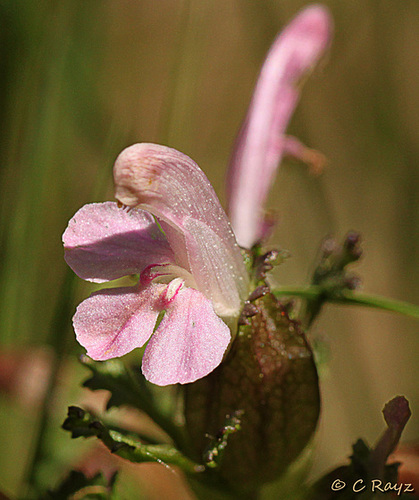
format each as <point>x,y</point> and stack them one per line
<point>270,377</point>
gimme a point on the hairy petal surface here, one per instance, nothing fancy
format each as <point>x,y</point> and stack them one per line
<point>260,144</point>
<point>103,242</point>
<point>172,187</point>
<point>188,344</point>
<point>217,280</point>
<point>113,322</point>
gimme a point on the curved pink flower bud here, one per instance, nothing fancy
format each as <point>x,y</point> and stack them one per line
<point>171,186</point>
<point>261,142</point>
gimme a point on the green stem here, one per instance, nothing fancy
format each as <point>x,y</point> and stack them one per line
<point>81,423</point>
<point>305,292</point>
<point>348,297</point>
<point>363,299</point>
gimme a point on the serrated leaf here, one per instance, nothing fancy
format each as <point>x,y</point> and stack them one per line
<point>77,484</point>
<point>127,387</point>
<point>83,424</point>
<point>77,422</point>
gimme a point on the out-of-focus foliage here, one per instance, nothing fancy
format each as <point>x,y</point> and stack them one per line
<point>81,79</point>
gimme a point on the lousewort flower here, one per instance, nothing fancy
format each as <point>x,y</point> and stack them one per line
<point>194,292</point>
<point>177,238</point>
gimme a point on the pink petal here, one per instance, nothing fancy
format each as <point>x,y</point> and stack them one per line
<point>172,187</point>
<point>260,144</point>
<point>103,242</point>
<point>113,322</point>
<point>188,344</point>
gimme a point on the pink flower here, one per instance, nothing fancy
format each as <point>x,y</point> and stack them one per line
<point>262,142</point>
<point>177,238</point>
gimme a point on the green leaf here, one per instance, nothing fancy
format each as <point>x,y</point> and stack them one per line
<point>125,387</point>
<point>77,485</point>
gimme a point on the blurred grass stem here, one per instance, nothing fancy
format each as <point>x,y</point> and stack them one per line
<point>58,340</point>
<point>178,54</point>
<point>40,114</point>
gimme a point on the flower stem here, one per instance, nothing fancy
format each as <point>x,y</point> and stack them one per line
<point>348,297</point>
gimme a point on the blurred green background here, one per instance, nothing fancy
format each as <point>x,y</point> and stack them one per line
<point>82,79</point>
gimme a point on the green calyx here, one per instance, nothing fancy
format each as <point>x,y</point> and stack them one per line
<point>269,376</point>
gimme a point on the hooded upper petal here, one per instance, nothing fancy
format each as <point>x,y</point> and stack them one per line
<point>103,242</point>
<point>172,187</point>
<point>188,344</point>
<point>260,143</point>
<point>113,322</point>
